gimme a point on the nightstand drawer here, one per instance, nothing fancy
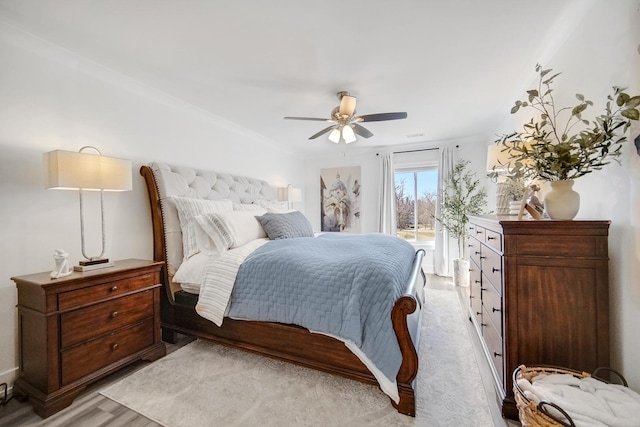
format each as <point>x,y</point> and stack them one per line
<point>83,324</point>
<point>76,298</point>
<point>93,355</point>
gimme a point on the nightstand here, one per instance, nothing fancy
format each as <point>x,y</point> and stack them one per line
<point>77,329</point>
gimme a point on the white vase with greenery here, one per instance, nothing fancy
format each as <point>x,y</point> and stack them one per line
<point>462,197</point>
<point>559,144</point>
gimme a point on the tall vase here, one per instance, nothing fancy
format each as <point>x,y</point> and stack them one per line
<point>562,202</point>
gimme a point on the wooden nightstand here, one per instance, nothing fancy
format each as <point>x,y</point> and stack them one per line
<point>77,329</point>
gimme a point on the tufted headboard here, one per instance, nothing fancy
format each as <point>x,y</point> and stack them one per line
<point>165,180</point>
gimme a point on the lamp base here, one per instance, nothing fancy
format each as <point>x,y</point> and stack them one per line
<point>93,264</point>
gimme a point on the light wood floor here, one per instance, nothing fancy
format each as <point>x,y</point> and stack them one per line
<point>94,410</point>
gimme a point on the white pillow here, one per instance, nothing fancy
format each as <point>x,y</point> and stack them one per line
<point>268,204</point>
<point>188,208</point>
<point>256,209</point>
<point>190,272</point>
<point>230,230</point>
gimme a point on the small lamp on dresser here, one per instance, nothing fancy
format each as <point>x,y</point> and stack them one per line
<point>68,170</point>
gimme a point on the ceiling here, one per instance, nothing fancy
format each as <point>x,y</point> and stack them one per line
<point>454,66</point>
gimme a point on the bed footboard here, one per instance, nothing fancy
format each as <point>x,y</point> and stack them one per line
<point>405,317</point>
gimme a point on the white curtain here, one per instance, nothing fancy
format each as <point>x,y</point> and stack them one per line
<point>387,217</point>
<point>441,255</point>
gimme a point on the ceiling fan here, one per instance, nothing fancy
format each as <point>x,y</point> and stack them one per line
<point>345,123</point>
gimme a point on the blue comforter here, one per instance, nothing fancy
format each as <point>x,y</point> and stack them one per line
<point>339,284</point>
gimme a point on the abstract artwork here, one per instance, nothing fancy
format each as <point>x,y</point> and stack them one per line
<point>340,199</point>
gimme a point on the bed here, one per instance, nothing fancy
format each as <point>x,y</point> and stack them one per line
<point>285,341</point>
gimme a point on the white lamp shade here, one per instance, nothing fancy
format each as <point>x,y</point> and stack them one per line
<point>348,135</point>
<point>497,160</point>
<point>347,105</point>
<point>73,170</point>
<point>289,194</point>
<point>334,136</point>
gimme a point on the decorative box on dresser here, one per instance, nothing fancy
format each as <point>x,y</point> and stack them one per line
<point>539,295</point>
<point>77,329</point>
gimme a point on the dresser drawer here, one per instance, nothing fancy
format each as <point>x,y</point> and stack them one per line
<point>478,232</point>
<point>492,267</point>
<point>475,293</point>
<point>494,345</point>
<point>92,294</point>
<point>83,324</point>
<point>492,303</point>
<point>493,239</point>
<point>93,355</point>
<point>474,251</point>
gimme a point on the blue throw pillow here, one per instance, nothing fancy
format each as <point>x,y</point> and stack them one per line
<point>285,225</point>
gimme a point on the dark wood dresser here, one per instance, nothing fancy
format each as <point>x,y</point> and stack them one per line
<point>76,329</point>
<point>539,295</point>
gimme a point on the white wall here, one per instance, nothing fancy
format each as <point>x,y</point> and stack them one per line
<point>52,99</point>
<point>597,48</point>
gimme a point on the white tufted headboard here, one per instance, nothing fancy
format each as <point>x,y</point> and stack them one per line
<point>166,180</point>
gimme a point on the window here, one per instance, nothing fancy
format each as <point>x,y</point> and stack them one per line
<point>416,199</point>
<point>416,183</point>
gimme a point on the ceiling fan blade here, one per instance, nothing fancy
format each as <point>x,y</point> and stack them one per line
<point>381,117</point>
<point>323,131</point>
<point>347,105</point>
<point>315,119</point>
<point>360,130</point>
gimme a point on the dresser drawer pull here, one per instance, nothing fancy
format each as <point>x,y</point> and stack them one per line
<point>478,313</point>
<point>477,253</point>
<point>495,309</point>
<point>476,281</point>
<point>482,289</point>
<point>483,324</point>
<point>114,288</point>
<point>493,269</point>
<point>483,257</point>
<point>114,314</point>
<point>490,238</point>
<point>496,354</point>
<point>478,231</point>
<point>114,346</point>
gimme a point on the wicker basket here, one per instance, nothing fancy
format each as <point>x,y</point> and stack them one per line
<point>537,415</point>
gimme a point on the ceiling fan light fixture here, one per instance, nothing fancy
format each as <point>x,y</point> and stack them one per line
<point>347,105</point>
<point>348,135</point>
<point>334,136</point>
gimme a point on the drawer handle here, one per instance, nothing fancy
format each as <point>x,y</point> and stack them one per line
<point>478,313</point>
<point>114,314</point>
<point>493,269</point>
<point>477,253</point>
<point>476,281</point>
<point>114,288</point>
<point>495,309</point>
<point>482,289</point>
<point>490,238</point>
<point>496,354</point>
<point>114,347</point>
<point>483,257</point>
<point>479,232</point>
<point>483,324</point>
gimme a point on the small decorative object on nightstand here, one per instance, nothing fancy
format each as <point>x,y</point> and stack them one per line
<point>79,328</point>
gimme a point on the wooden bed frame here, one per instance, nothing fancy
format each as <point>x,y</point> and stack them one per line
<point>289,342</point>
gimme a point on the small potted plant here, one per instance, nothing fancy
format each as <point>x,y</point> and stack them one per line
<point>560,145</point>
<point>462,197</point>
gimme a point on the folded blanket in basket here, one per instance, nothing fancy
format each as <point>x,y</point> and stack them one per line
<point>588,401</point>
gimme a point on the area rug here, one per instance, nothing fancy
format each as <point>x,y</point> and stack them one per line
<point>205,384</point>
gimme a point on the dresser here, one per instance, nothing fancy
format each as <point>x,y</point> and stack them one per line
<point>77,329</point>
<point>539,295</point>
